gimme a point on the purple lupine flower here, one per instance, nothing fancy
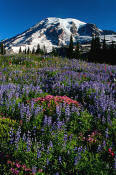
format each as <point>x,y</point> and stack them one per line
<point>60,159</point>
<point>59,124</point>
<point>79,156</point>
<point>109,120</point>
<point>48,161</point>
<point>73,108</point>
<point>104,143</point>
<point>80,149</point>
<point>75,149</point>
<point>51,144</point>
<point>28,144</point>
<point>34,169</point>
<point>58,110</point>
<point>65,137</point>
<point>99,115</point>
<point>49,121</point>
<point>67,110</point>
<point>45,120</point>
<point>42,129</point>
<point>38,153</point>
<point>32,105</point>
<point>37,110</point>
<point>57,173</point>
<point>24,137</point>
<point>76,161</point>
<point>106,132</point>
<point>84,149</point>
<point>99,148</point>
<point>70,137</point>
<point>103,120</point>
<point>11,135</point>
<point>28,114</point>
<point>17,137</point>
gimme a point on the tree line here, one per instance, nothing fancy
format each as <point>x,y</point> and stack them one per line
<point>34,51</point>
<point>100,52</point>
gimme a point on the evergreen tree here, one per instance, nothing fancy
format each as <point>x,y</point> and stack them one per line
<point>97,44</point>
<point>38,51</point>
<point>44,50</point>
<point>2,48</point>
<point>54,52</point>
<point>70,49</point>
<point>28,51</point>
<point>93,44</point>
<point>95,51</point>
<point>25,51</point>
<point>112,53</point>
<point>33,50</point>
<point>20,51</point>
<point>77,52</point>
<point>112,47</point>
<point>104,44</point>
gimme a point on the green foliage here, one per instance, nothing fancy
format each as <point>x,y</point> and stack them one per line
<point>90,91</point>
<point>51,73</point>
<point>80,123</point>
<point>5,126</point>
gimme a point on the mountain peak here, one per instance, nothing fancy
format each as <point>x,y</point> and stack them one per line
<point>53,32</point>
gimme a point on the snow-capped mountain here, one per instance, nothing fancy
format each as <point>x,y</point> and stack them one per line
<point>55,32</point>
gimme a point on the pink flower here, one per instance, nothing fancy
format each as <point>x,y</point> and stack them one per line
<point>27,169</point>
<point>24,166</point>
<point>9,162</point>
<point>112,153</point>
<point>18,165</point>
<point>40,170</point>
<point>14,171</point>
<point>109,150</point>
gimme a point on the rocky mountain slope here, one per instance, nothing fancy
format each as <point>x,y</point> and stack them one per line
<point>55,32</point>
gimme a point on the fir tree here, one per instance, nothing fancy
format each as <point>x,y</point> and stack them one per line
<point>25,51</point>
<point>2,48</point>
<point>44,50</point>
<point>112,47</point>
<point>28,51</point>
<point>33,50</point>
<point>70,49</point>
<point>112,53</point>
<point>20,51</point>
<point>104,51</point>
<point>77,52</point>
<point>54,52</point>
<point>38,51</point>
<point>104,44</point>
<point>93,44</point>
<point>97,44</point>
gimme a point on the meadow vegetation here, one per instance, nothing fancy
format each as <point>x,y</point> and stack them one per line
<point>57,116</point>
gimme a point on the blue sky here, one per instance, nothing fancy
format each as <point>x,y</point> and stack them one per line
<point>18,15</point>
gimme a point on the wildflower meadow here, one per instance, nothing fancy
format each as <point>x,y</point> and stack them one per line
<point>57,116</point>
